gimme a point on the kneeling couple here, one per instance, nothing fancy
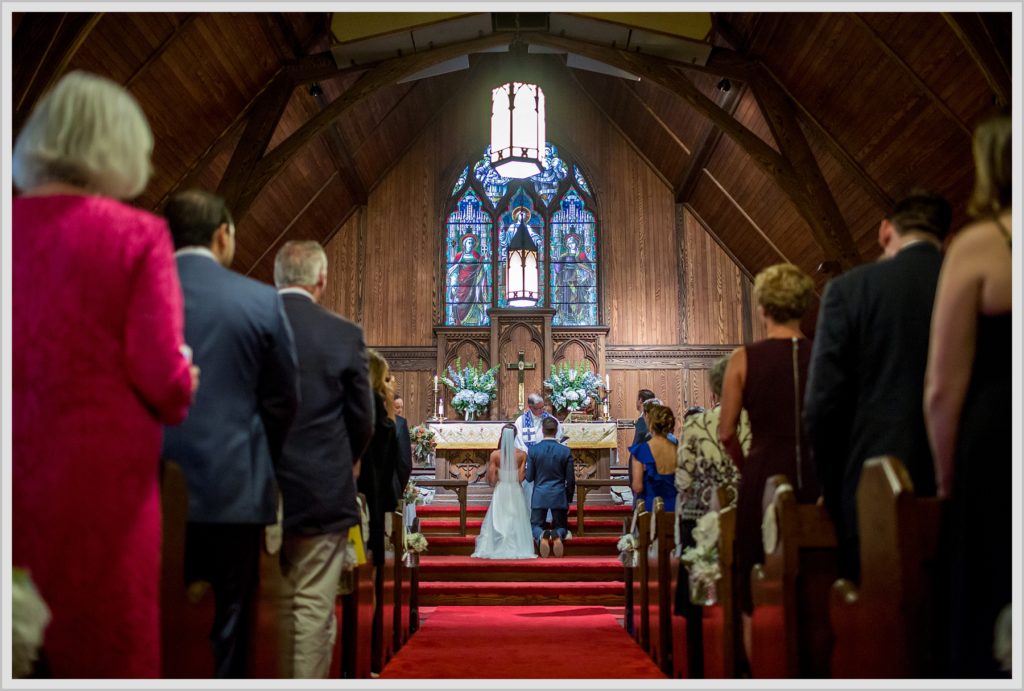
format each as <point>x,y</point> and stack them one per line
<point>508,532</point>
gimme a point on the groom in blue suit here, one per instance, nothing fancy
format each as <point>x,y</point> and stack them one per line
<point>549,466</point>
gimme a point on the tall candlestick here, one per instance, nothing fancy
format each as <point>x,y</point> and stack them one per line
<point>607,382</point>
<point>435,384</point>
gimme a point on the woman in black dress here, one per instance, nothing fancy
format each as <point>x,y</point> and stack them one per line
<point>767,379</point>
<point>968,408</point>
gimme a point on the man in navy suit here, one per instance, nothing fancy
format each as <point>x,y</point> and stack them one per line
<point>316,472</point>
<point>549,467</point>
<point>403,471</point>
<point>866,379</point>
<point>236,428</point>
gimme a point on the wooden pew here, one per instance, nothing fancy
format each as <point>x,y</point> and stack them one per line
<point>731,636</point>
<point>641,592</point>
<point>629,577</point>
<point>414,590</point>
<point>402,582</point>
<point>665,571</point>
<point>357,614</point>
<point>384,613</point>
<point>186,621</point>
<point>795,581</point>
<point>655,639</point>
<point>886,627</point>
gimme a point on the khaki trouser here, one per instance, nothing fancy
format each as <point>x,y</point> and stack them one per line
<point>311,566</point>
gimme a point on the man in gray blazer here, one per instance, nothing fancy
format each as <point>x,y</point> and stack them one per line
<point>236,428</point>
<point>331,431</point>
<point>549,467</point>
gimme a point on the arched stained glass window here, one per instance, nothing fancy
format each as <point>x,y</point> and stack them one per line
<point>558,208</point>
<point>468,275</point>
<point>521,205</point>
<point>573,263</point>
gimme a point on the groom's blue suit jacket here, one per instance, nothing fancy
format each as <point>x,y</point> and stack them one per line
<point>549,467</point>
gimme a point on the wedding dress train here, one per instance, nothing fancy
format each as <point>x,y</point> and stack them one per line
<point>506,533</point>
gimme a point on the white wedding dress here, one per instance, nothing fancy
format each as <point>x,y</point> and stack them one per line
<point>506,533</point>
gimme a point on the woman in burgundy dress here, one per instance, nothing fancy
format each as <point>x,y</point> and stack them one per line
<point>98,365</point>
<point>767,379</point>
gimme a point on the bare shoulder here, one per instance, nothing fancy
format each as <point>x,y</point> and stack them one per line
<point>975,240</point>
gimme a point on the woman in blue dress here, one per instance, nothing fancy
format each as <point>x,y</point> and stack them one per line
<point>653,473</point>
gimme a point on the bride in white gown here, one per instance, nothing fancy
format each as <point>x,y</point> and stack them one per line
<point>506,533</point>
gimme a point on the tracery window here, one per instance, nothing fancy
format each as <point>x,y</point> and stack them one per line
<point>557,206</point>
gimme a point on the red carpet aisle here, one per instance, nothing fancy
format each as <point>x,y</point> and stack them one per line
<point>521,642</point>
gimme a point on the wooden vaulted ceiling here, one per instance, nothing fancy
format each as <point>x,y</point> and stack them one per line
<point>826,119</point>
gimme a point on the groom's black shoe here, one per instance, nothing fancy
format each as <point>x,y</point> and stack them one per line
<point>543,545</point>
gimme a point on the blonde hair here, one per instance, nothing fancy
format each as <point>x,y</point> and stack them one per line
<point>784,291</point>
<point>299,263</point>
<point>993,167</point>
<point>88,132</point>
<point>381,380</point>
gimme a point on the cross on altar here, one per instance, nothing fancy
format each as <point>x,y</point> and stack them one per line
<point>522,365</point>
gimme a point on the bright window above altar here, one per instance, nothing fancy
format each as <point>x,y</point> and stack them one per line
<point>556,205</point>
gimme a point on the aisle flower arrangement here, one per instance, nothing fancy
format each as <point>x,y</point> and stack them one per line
<point>627,546</point>
<point>474,387</point>
<point>573,386</point>
<point>411,496</point>
<point>415,544</point>
<point>424,443</point>
<point>702,560</point>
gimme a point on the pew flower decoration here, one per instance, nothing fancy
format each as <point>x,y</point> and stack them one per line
<point>627,547</point>
<point>474,387</point>
<point>415,544</point>
<point>424,443</point>
<point>573,386</point>
<point>411,496</point>
<point>702,560</point>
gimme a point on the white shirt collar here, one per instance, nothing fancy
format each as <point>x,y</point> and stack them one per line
<point>198,251</point>
<point>295,290</point>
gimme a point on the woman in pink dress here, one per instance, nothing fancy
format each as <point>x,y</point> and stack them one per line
<point>98,366</point>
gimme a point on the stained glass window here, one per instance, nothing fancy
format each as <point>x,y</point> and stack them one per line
<point>461,181</point>
<point>554,206</point>
<point>573,263</point>
<point>468,280</point>
<point>521,205</point>
<point>580,180</point>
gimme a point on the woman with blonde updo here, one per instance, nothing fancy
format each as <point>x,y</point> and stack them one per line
<point>767,379</point>
<point>377,465</point>
<point>653,475</point>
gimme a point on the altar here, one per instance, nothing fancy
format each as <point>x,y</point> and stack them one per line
<point>463,448</point>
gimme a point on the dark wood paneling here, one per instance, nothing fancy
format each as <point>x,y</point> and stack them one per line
<point>714,305</point>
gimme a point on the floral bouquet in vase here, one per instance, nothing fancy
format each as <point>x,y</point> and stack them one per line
<point>424,444</point>
<point>573,386</point>
<point>474,387</point>
<point>702,561</point>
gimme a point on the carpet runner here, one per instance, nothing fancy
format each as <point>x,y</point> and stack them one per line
<point>521,643</point>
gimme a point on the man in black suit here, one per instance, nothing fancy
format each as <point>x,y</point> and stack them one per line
<point>549,466</point>
<point>234,433</point>
<point>403,471</point>
<point>331,431</point>
<point>866,380</point>
<point>640,432</point>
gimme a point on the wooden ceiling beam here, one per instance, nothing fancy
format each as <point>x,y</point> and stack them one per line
<point>245,187</point>
<point>728,101</point>
<point>161,49</point>
<point>50,50</point>
<point>845,158</point>
<point>813,197</point>
<point>970,29</point>
<point>912,75</point>
<point>631,88</point>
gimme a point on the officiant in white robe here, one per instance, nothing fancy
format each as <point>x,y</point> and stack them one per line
<point>528,431</point>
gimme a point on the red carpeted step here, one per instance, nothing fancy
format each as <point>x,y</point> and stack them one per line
<point>521,642</point>
<point>462,568</point>
<point>459,544</point>
<point>521,593</point>
<point>431,525</point>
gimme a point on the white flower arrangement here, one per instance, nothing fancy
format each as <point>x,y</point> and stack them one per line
<point>29,618</point>
<point>627,546</point>
<point>474,387</point>
<point>411,495</point>
<point>415,542</point>
<point>702,559</point>
<point>573,386</point>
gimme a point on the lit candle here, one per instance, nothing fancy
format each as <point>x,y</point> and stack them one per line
<point>607,382</point>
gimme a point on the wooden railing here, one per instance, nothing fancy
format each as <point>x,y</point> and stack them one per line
<point>582,488</point>
<point>460,487</point>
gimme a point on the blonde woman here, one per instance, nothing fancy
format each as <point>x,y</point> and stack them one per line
<point>378,463</point>
<point>968,404</point>
<point>767,379</point>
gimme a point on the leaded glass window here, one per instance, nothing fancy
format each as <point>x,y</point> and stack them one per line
<point>557,207</point>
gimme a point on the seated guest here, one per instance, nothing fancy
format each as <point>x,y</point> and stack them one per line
<point>968,405</point>
<point>866,377</point>
<point>97,366</point>
<point>331,430</point>
<point>655,460</point>
<point>768,379</point>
